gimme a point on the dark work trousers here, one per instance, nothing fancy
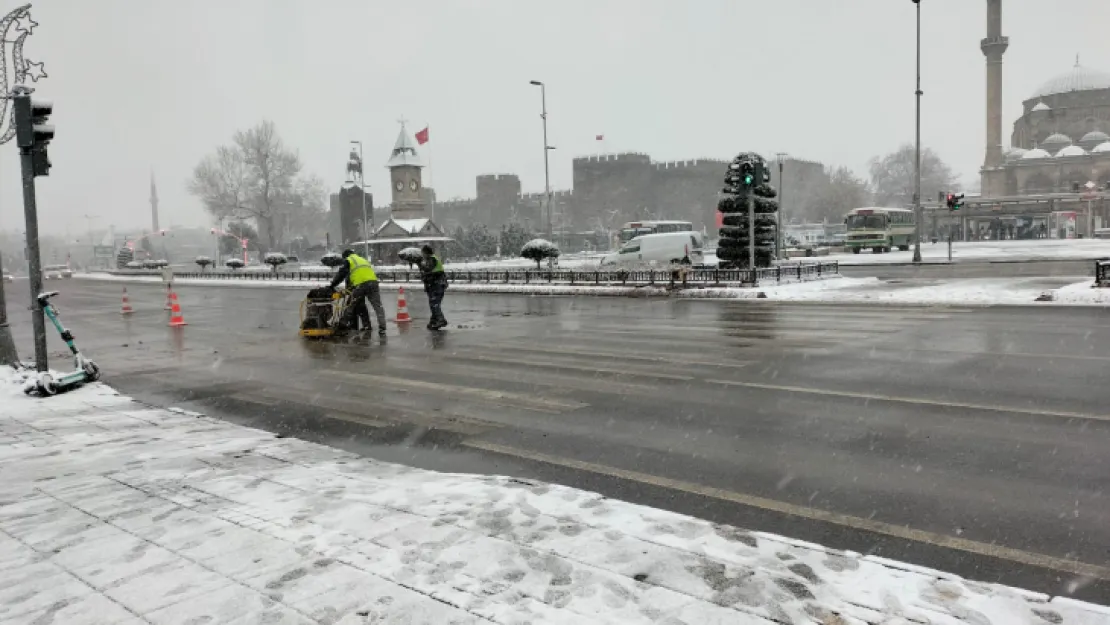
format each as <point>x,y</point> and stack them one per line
<point>357,305</point>
<point>436,289</point>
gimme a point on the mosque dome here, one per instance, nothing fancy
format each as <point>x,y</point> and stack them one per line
<point>1035,153</point>
<point>1101,148</point>
<point>1071,150</point>
<point>1056,142</point>
<point>1078,79</point>
<point>1013,154</point>
<point>1041,106</point>
<point>1093,138</point>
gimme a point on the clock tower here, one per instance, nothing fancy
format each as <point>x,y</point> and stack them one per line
<point>405,180</point>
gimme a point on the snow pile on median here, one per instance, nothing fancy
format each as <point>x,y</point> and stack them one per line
<point>112,508</point>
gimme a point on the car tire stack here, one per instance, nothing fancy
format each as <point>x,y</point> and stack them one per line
<point>732,249</point>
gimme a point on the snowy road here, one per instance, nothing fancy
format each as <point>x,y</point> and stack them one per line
<point>971,440</point>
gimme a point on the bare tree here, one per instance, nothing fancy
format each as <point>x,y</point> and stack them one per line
<point>892,177</point>
<point>254,177</point>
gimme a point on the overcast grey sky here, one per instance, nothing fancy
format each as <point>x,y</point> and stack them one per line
<point>156,84</point>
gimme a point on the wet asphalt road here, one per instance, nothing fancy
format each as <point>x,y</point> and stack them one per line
<point>975,440</point>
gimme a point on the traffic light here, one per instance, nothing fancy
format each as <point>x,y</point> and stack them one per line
<point>954,201</point>
<point>32,133</point>
<point>741,175</point>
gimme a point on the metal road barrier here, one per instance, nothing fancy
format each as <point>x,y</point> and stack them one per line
<point>676,278</point>
<point>1102,272</point>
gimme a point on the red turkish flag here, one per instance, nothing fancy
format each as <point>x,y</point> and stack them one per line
<point>422,136</point>
<point>720,219</point>
<point>599,138</point>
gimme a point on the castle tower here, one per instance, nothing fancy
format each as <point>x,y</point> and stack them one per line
<point>993,47</point>
<point>405,181</point>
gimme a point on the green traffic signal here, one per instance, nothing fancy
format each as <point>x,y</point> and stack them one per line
<point>748,180</point>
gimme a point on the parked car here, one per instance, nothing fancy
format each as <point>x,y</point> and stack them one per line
<point>665,248</point>
<point>8,277</point>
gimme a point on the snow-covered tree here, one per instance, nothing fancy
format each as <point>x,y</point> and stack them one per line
<point>331,259</point>
<point>234,263</point>
<point>410,255</point>
<point>203,262</point>
<point>539,250</point>
<point>275,260</point>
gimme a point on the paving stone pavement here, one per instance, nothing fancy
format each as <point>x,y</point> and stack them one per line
<point>114,512</point>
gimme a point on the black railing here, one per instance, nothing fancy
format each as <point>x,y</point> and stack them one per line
<point>676,278</point>
<point>1102,272</point>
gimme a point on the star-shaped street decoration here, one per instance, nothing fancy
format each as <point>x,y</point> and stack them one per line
<point>25,23</point>
<point>33,70</point>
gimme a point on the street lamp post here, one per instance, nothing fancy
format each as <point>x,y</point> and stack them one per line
<point>782,205</point>
<point>917,214</point>
<point>546,148</point>
<point>362,187</point>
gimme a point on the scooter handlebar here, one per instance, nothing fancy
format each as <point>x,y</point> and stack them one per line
<point>43,297</point>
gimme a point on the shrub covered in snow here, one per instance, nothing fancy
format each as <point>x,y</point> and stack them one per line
<point>410,255</point>
<point>234,263</point>
<point>203,262</point>
<point>275,260</point>
<point>539,250</point>
<point>331,259</point>
<point>134,265</point>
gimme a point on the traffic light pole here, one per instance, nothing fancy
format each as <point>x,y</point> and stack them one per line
<point>32,136</point>
<point>751,232</point>
<point>34,264</point>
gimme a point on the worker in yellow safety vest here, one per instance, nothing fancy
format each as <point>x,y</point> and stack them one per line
<point>363,283</point>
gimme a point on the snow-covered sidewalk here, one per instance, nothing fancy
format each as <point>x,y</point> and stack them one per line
<point>115,512</point>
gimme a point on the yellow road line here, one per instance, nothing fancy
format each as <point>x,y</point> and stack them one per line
<point>912,400</point>
<point>853,522</point>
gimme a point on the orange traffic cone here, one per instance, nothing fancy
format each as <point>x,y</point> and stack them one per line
<point>126,309</point>
<point>176,320</point>
<point>169,297</point>
<point>402,307</point>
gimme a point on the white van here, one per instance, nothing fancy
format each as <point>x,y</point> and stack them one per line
<point>665,248</point>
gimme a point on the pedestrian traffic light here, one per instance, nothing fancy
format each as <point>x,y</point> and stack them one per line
<point>32,132</point>
<point>954,201</point>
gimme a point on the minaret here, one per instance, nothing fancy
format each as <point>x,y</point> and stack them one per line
<point>993,47</point>
<point>153,204</point>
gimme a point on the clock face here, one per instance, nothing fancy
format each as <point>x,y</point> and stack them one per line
<point>400,185</point>
<point>414,185</point>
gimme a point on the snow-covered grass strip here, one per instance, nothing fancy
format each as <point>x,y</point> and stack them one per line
<point>178,517</point>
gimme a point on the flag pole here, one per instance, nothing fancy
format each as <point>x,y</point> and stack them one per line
<point>431,180</point>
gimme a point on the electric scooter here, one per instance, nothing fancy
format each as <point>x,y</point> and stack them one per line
<point>85,369</point>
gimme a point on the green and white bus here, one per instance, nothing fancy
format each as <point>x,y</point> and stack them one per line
<point>880,229</point>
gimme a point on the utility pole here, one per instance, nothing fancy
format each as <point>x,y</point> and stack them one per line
<point>918,217</point>
<point>33,135</point>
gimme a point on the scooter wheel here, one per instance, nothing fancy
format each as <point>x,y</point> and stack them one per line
<point>47,385</point>
<point>92,371</point>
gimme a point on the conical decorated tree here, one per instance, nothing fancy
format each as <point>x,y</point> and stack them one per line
<point>747,177</point>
